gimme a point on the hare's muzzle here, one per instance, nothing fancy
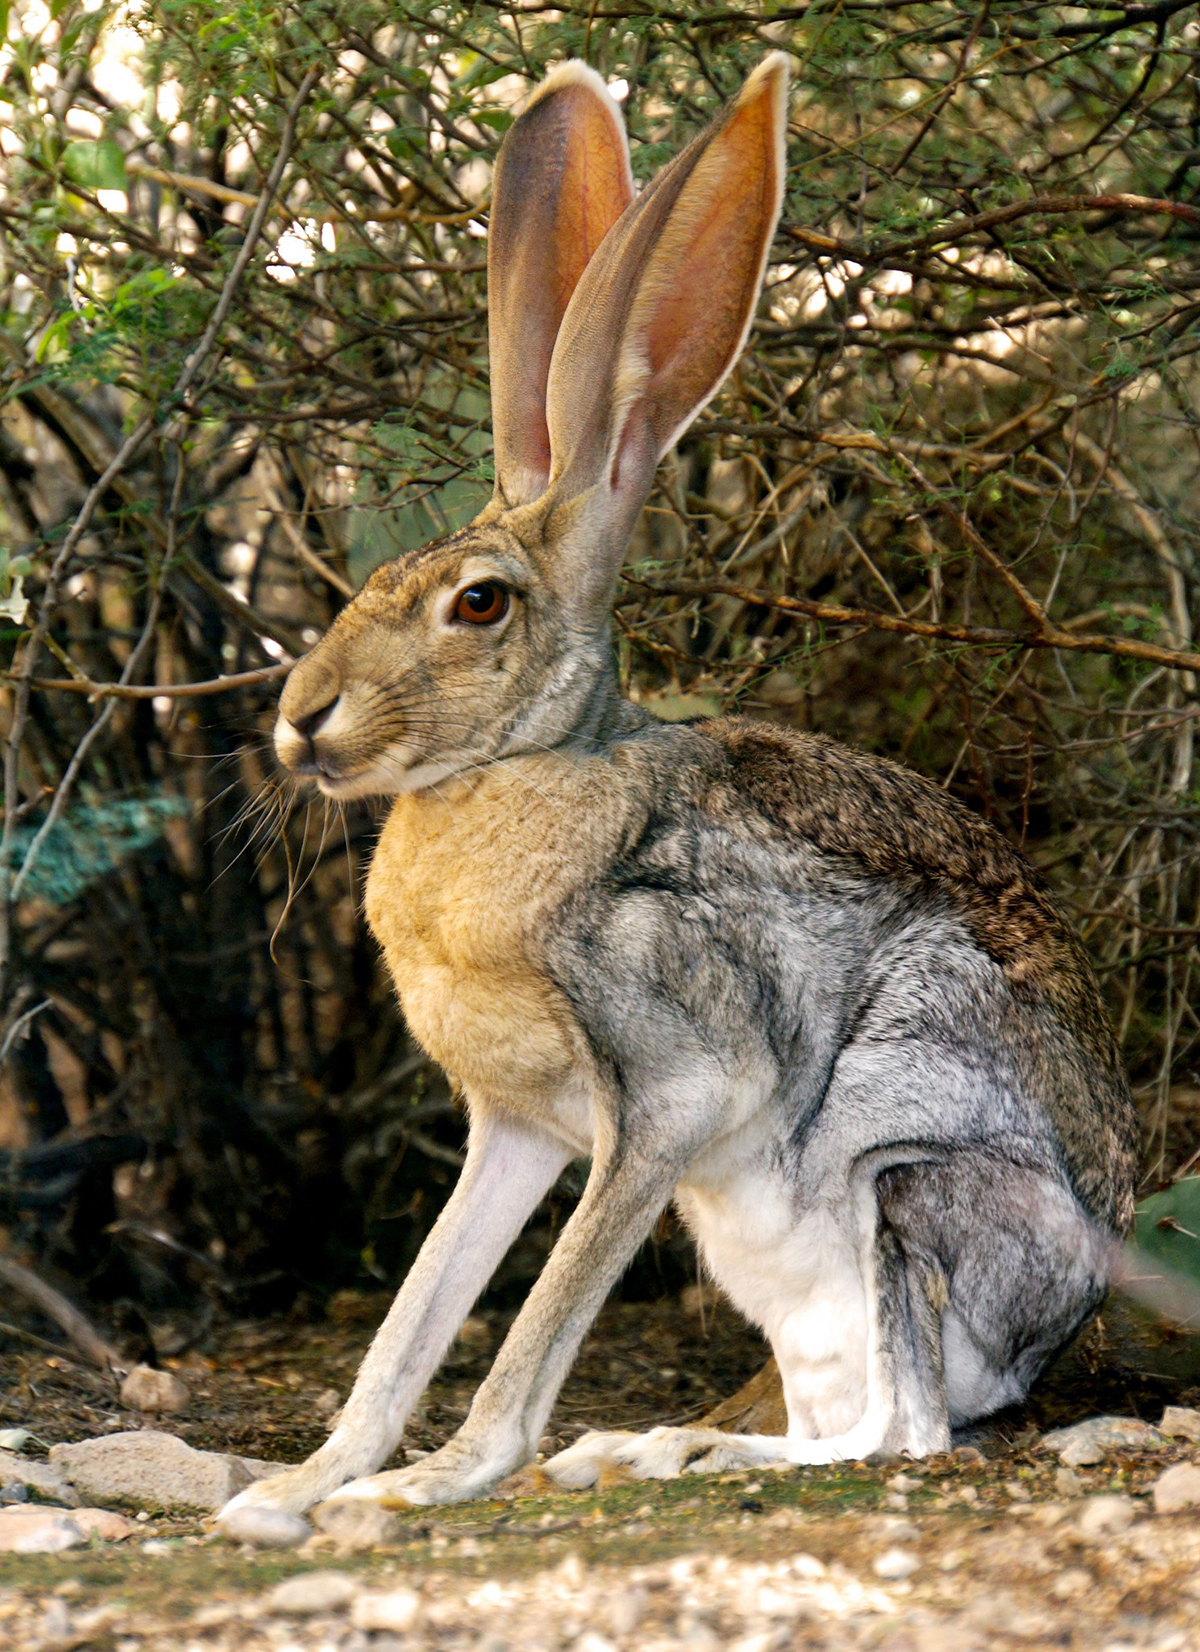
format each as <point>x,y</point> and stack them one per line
<point>306,730</point>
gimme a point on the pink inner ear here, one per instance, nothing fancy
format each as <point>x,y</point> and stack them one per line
<point>702,283</point>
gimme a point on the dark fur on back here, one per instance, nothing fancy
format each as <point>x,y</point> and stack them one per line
<point>884,821</point>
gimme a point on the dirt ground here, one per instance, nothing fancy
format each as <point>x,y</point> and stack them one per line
<point>993,1546</point>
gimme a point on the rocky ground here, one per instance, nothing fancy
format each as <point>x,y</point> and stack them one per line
<point>1085,1540</point>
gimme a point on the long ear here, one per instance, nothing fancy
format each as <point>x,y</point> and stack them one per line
<point>662,311</point>
<point>562,180</point>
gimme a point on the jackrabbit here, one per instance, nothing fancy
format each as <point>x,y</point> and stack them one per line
<point>796,989</point>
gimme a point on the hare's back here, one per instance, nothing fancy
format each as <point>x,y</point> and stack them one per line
<point>872,819</point>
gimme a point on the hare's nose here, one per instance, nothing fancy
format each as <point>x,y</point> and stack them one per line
<point>314,721</point>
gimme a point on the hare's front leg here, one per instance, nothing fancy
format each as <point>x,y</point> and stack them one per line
<point>623,1198</point>
<point>509,1167</point>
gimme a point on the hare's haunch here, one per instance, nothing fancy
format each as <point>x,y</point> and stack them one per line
<point>795,989</point>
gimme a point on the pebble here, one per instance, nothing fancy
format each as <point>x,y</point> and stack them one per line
<point>1099,1438</point>
<point>627,1609</point>
<point>146,1389</point>
<point>310,1593</point>
<point>1072,1583</point>
<point>1178,1488</point>
<point>902,1482</point>
<point>265,1528</point>
<point>105,1524</point>
<point>893,1565</point>
<point>354,1523</point>
<point>397,1609</point>
<point>1104,1516</point>
<point>1067,1483</point>
<point>1181,1422</point>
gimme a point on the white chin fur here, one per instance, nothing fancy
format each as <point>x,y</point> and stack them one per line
<point>391,775</point>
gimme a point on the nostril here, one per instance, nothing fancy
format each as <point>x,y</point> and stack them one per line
<point>314,721</point>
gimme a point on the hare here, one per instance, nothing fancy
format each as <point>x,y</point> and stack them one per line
<point>795,989</point>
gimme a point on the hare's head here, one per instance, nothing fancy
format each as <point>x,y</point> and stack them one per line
<point>611,321</point>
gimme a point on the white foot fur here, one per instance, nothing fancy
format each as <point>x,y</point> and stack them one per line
<point>454,1474</point>
<point>662,1454</point>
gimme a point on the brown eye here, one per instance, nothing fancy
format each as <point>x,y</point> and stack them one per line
<point>482,604</point>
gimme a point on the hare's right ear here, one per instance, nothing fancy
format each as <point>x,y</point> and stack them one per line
<point>562,179</point>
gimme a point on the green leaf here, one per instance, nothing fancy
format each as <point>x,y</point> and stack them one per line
<point>1168,1226</point>
<point>97,163</point>
<point>498,119</point>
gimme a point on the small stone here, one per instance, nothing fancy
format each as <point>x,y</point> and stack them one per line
<point>104,1524</point>
<point>1178,1488</point>
<point>147,1466</point>
<point>1099,1438</point>
<point>893,1565</point>
<point>1104,1516</point>
<point>39,1477</point>
<point>56,1621</point>
<point>145,1389</point>
<point>1181,1422</point>
<point>27,1529</point>
<point>327,1402</point>
<point>309,1593</point>
<point>356,1524</point>
<point>626,1610</point>
<point>902,1482</point>
<point>265,1528</point>
<point>807,1565</point>
<point>1067,1483</point>
<point>1072,1583</point>
<point>590,1641</point>
<point>397,1609</point>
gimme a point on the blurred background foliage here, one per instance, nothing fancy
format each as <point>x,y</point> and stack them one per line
<point>945,507</point>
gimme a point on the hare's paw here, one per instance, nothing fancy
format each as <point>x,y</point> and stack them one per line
<point>661,1454</point>
<point>582,1464</point>
<point>268,1513</point>
<point>455,1474</point>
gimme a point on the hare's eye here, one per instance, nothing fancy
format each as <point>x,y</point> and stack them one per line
<point>481,604</point>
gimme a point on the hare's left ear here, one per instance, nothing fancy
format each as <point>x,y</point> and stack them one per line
<point>562,179</point>
<point>658,319</point>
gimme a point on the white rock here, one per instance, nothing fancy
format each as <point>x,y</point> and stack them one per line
<point>145,1389</point>
<point>1178,1488</point>
<point>265,1528</point>
<point>147,1467</point>
<point>1181,1422</point>
<point>1103,1516</point>
<point>311,1592</point>
<point>893,1565</point>
<point>397,1609</point>
<point>27,1529</point>
<point>1099,1438</point>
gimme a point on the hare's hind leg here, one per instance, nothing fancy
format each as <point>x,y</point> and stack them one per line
<point>1025,1268</point>
<point>855,1326</point>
